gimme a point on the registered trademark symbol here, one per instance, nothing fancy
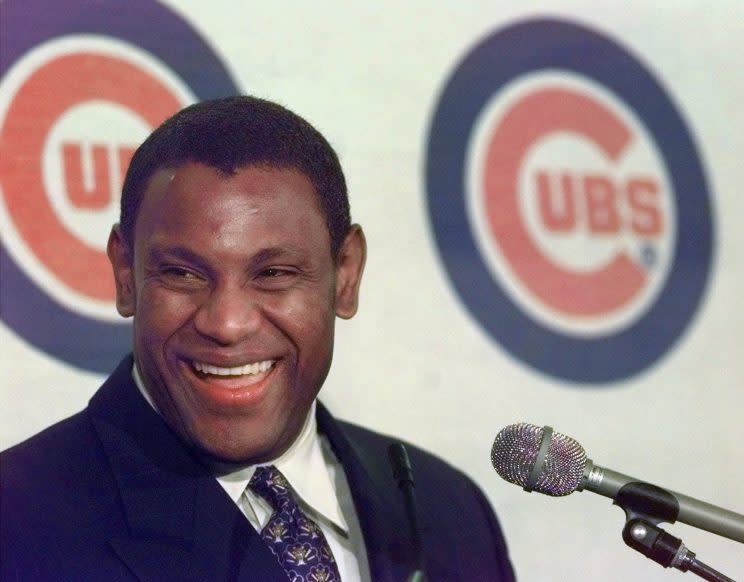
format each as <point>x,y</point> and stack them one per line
<point>648,255</point>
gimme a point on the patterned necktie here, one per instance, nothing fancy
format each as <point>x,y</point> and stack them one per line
<point>297,542</point>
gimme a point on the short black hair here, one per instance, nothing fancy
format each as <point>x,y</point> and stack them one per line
<point>229,134</point>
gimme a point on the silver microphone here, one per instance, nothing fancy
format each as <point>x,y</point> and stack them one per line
<point>538,459</point>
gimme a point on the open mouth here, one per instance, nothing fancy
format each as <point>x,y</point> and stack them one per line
<point>205,370</point>
<point>232,388</point>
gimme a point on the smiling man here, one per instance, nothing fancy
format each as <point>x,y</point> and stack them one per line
<point>205,455</point>
<point>234,289</point>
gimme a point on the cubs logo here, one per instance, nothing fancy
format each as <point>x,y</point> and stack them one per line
<point>568,201</point>
<point>77,96</point>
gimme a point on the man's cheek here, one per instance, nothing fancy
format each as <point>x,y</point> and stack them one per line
<point>305,318</point>
<point>166,310</point>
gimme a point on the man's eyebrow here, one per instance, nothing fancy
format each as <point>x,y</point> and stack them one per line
<point>177,252</point>
<point>271,253</point>
<point>184,253</point>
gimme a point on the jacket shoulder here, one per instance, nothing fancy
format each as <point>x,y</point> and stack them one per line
<point>425,463</point>
<point>56,448</point>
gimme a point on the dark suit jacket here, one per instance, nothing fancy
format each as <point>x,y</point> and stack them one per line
<point>112,494</point>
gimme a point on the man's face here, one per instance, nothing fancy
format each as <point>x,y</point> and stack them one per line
<point>234,294</point>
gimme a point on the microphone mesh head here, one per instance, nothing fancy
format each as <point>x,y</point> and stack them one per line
<point>514,452</point>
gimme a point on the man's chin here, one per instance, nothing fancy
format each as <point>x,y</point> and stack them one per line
<point>226,457</point>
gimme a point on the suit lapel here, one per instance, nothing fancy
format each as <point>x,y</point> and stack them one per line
<point>182,525</point>
<point>377,500</point>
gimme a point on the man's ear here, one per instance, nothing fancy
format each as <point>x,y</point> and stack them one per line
<point>122,263</point>
<point>349,268</point>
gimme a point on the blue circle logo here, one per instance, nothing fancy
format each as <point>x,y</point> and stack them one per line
<point>568,201</point>
<point>79,90</point>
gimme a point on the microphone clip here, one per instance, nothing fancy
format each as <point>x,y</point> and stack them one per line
<point>646,506</point>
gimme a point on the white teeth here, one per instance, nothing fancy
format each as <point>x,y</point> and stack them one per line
<point>248,369</point>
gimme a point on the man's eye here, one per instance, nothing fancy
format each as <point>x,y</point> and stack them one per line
<point>277,276</point>
<point>181,274</point>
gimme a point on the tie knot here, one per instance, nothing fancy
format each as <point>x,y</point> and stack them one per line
<point>270,484</point>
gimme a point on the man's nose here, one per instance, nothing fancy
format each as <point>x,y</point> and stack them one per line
<point>229,314</point>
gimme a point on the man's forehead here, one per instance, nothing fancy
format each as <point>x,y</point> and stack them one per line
<point>188,192</point>
<point>197,195</point>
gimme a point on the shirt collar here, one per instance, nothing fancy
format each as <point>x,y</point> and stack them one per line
<point>303,464</point>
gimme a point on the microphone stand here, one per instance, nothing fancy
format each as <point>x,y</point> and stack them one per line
<point>403,474</point>
<point>646,506</point>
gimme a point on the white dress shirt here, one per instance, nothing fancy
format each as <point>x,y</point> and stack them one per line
<point>322,492</point>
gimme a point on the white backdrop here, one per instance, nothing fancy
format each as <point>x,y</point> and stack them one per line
<point>414,362</point>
